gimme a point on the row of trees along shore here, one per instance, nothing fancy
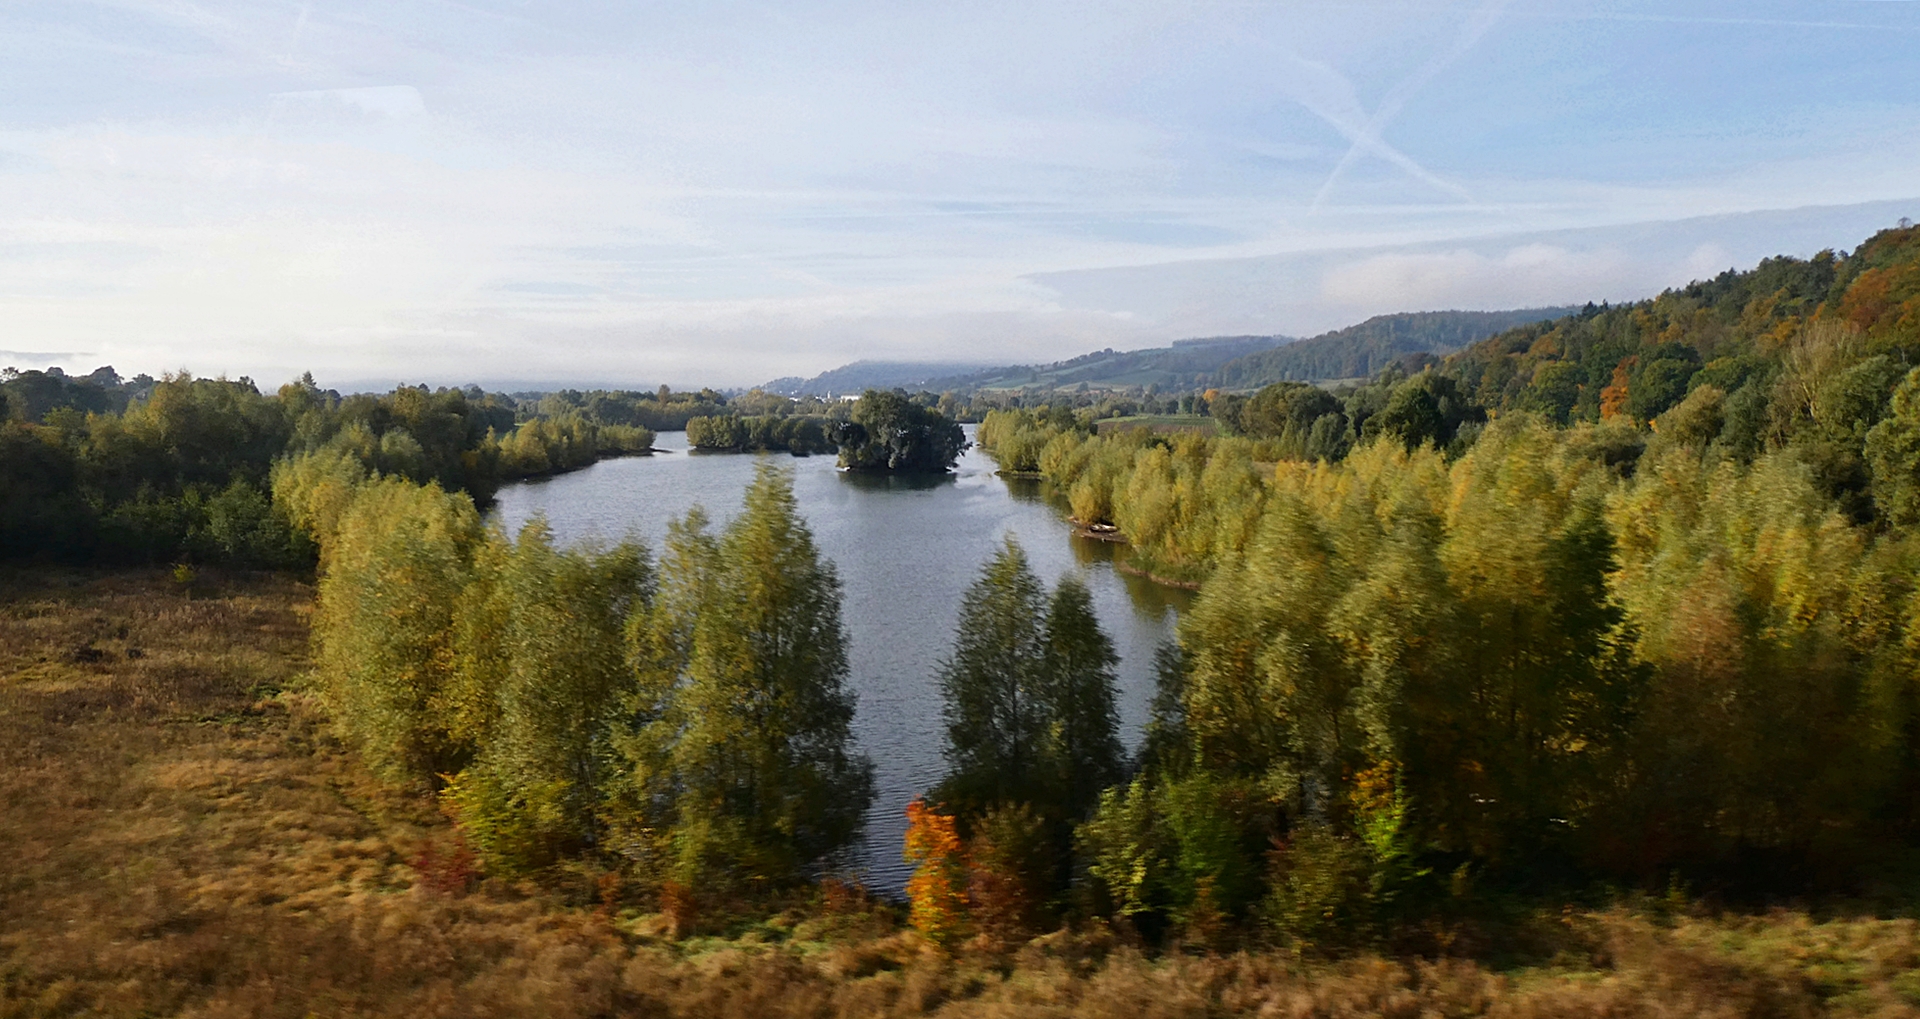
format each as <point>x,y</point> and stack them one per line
<point>1627,597</point>
<point>684,719</point>
<point>97,468</point>
<point>687,718</point>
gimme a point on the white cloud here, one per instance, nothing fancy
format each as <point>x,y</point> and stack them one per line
<point>1530,274</point>
<point>1305,292</point>
<point>722,194</point>
<point>396,101</point>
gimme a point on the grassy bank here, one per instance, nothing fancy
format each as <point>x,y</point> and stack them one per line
<point>182,836</point>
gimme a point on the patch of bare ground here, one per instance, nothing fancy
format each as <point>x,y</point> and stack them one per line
<point>181,836</point>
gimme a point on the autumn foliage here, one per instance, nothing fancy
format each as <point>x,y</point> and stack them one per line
<point>1613,399</point>
<point>937,892</point>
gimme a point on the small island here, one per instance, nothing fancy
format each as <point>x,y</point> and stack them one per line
<point>888,432</point>
<point>882,432</point>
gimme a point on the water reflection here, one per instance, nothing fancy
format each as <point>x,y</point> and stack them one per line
<point>1030,489</point>
<point>868,481</point>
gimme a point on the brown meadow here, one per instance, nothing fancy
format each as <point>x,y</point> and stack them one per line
<point>183,836</point>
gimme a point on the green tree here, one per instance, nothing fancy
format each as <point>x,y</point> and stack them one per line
<point>559,680</point>
<point>1290,412</point>
<point>889,432</point>
<point>1893,452</point>
<point>991,685</point>
<point>41,509</point>
<point>241,526</point>
<point>1528,554</point>
<point>1029,698</point>
<point>1266,690</point>
<point>383,625</point>
<point>1077,700</point>
<point>1426,408</point>
<point>1659,383</point>
<point>749,770</point>
<point>1555,390</point>
<point>1128,852</point>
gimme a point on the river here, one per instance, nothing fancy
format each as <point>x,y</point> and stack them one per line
<point>906,549</point>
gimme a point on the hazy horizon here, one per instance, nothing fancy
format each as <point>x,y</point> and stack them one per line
<point>724,195</point>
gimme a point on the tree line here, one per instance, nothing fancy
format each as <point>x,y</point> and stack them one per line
<point>686,718</point>
<point>1803,356</point>
<point>98,469</point>
<point>1487,647</point>
<point>801,436</point>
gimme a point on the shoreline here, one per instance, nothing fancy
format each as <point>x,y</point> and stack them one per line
<point>1110,534</point>
<point>1138,571</point>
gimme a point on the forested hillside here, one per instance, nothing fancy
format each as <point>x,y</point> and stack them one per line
<point>860,376</point>
<point>1627,595</point>
<point>1360,351</point>
<point>1228,362</point>
<point>1184,365</point>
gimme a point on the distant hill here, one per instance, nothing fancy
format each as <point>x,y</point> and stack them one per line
<point>1185,364</point>
<point>860,376</point>
<point>1361,350</point>
<point>1232,362</point>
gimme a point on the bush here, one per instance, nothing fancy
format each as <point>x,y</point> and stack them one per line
<point>1318,883</point>
<point>1011,860</point>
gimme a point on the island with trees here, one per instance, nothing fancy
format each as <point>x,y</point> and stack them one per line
<point>888,432</point>
<point>881,431</point>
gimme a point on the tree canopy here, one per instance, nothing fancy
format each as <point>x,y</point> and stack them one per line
<point>888,432</point>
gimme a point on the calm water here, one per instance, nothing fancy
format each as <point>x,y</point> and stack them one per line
<point>905,549</point>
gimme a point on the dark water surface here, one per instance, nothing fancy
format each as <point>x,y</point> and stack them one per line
<point>905,549</point>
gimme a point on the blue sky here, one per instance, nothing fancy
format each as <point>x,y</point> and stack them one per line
<point>722,193</point>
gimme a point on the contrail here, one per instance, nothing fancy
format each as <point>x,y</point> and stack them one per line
<point>1676,19</point>
<point>293,38</point>
<point>1329,95</point>
<point>1396,100</point>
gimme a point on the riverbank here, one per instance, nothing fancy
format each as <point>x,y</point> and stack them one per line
<point>623,454</point>
<point>184,836</point>
<point>1132,565</point>
<point>1164,581</point>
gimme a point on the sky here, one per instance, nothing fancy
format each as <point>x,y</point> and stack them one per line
<point>624,194</point>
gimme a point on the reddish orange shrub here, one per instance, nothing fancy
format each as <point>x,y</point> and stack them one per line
<point>677,902</point>
<point>1007,861</point>
<point>937,891</point>
<point>447,871</point>
<point>1613,399</point>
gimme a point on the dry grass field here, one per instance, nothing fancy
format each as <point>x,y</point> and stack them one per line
<point>180,836</point>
